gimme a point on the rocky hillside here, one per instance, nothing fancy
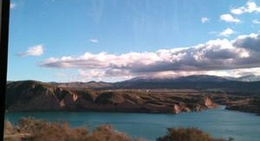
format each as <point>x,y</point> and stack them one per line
<point>38,96</point>
<point>251,105</point>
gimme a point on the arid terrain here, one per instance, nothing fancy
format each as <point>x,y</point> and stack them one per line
<point>193,93</point>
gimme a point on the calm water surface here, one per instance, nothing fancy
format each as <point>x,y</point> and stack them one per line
<point>218,122</point>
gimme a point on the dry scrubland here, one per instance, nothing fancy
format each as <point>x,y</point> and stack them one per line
<point>29,129</point>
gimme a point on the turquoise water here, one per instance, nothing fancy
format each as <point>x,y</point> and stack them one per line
<point>217,122</point>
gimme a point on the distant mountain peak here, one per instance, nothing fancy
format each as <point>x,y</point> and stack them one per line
<point>202,78</point>
<point>189,78</point>
<point>249,78</point>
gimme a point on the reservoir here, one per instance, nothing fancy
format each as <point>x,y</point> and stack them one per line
<point>217,122</point>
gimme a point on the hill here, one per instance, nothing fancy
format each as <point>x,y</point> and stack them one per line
<point>39,96</point>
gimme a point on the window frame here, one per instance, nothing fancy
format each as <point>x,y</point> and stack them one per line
<point>4,35</point>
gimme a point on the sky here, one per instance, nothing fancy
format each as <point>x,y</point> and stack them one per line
<point>116,40</point>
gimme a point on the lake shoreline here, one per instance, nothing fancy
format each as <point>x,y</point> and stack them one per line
<point>154,125</point>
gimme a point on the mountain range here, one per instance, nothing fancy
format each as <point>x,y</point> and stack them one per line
<point>199,82</point>
<point>245,78</point>
<point>243,85</point>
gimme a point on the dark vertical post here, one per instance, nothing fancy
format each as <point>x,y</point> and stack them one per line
<point>4,30</point>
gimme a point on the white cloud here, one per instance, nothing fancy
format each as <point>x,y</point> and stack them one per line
<point>93,40</point>
<point>227,32</point>
<point>213,57</point>
<point>256,21</point>
<point>93,73</point>
<point>12,5</point>
<point>102,74</point>
<point>249,8</point>
<point>250,42</point>
<point>36,50</point>
<point>229,18</point>
<point>204,19</point>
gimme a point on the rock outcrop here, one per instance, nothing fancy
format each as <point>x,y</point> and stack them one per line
<point>197,105</point>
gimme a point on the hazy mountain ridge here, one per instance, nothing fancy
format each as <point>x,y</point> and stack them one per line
<point>181,78</point>
<point>247,78</point>
<point>200,82</point>
<point>91,84</point>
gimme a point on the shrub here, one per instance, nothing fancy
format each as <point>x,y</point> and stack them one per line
<point>41,130</point>
<point>31,125</point>
<point>186,134</point>
<point>8,127</point>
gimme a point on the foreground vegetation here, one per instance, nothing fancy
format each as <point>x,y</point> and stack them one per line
<point>188,134</point>
<point>39,130</point>
<point>29,129</point>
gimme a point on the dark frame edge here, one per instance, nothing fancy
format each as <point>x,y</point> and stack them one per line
<point>4,35</point>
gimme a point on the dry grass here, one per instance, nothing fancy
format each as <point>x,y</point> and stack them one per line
<point>29,129</point>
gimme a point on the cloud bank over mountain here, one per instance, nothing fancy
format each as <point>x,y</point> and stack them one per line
<point>214,55</point>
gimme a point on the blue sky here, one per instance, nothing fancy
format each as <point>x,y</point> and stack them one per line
<point>114,40</point>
